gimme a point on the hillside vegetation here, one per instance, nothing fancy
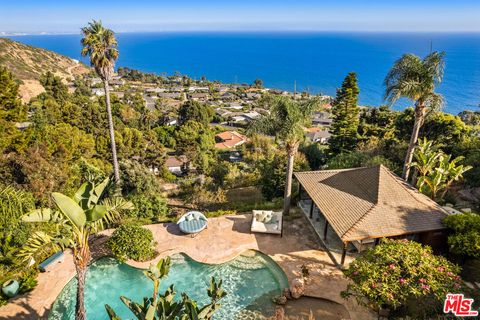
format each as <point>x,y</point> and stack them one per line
<point>29,63</point>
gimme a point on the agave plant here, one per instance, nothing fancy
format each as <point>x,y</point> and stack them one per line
<point>76,219</point>
<point>164,306</point>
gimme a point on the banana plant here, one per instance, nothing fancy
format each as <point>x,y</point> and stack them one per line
<point>164,306</point>
<point>76,219</point>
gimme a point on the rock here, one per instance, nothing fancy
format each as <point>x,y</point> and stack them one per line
<point>451,210</point>
<point>280,300</point>
<point>449,205</point>
<point>468,194</point>
<point>286,294</point>
<point>466,210</point>
<point>279,314</point>
<point>297,288</point>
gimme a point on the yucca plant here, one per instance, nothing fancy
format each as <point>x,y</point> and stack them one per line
<point>164,306</point>
<point>76,219</point>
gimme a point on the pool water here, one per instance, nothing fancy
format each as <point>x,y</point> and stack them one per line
<point>251,281</point>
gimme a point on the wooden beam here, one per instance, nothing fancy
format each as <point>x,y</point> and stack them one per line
<point>325,230</point>
<point>344,253</point>
<point>311,209</point>
<point>299,192</point>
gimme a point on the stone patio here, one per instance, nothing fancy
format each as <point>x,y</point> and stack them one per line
<point>225,238</point>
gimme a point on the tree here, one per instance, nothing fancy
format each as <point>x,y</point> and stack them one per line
<point>396,272</point>
<point>345,116</point>
<point>414,78</point>
<point>164,306</point>
<point>258,83</point>
<point>80,216</point>
<point>54,86</point>
<point>286,122</point>
<point>437,170</point>
<point>196,111</point>
<point>100,44</point>
<point>196,141</point>
<point>272,174</point>
<point>11,109</point>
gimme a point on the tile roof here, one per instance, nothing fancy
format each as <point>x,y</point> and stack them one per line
<point>363,203</point>
<point>229,139</point>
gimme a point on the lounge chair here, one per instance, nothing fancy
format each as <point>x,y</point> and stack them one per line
<point>267,222</point>
<point>192,222</point>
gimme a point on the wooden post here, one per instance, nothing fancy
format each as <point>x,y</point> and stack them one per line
<point>377,241</point>
<point>344,252</point>
<point>311,209</point>
<point>325,230</point>
<point>299,192</point>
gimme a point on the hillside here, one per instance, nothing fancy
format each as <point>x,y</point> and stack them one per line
<point>28,63</point>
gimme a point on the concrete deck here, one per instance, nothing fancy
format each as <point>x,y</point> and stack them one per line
<point>225,238</point>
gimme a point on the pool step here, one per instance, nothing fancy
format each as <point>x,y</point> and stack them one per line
<point>248,262</point>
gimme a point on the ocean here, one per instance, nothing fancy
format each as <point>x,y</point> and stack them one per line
<point>316,62</point>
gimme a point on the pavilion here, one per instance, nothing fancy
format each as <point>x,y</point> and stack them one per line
<point>363,205</point>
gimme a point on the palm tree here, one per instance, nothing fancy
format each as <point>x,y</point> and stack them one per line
<point>286,122</point>
<point>100,44</point>
<point>76,219</point>
<point>414,78</point>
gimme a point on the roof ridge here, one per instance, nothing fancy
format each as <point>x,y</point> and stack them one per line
<point>333,170</point>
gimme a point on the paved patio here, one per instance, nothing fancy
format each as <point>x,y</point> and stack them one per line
<point>225,238</point>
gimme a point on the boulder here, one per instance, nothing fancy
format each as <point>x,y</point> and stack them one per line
<point>297,288</point>
<point>466,210</point>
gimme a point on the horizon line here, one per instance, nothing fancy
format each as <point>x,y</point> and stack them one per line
<point>48,33</point>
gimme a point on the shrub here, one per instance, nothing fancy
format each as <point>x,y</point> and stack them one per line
<point>149,206</point>
<point>396,271</point>
<point>131,241</point>
<point>466,237</point>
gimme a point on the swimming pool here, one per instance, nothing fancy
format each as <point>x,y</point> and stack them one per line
<point>251,281</point>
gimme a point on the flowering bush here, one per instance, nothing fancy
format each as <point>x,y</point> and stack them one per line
<point>396,271</point>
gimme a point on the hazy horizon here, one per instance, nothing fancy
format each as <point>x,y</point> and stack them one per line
<point>35,17</point>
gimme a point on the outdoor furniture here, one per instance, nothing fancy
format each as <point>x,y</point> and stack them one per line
<point>192,222</point>
<point>56,257</point>
<point>267,222</point>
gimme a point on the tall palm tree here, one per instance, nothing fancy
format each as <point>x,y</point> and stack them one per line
<point>416,79</point>
<point>101,45</point>
<point>76,219</point>
<point>286,122</point>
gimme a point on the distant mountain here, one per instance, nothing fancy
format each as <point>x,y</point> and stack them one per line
<point>27,63</point>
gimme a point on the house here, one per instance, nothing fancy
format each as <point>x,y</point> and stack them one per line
<point>149,102</point>
<point>234,105</point>
<point>171,95</point>
<point>321,136</point>
<point>155,90</point>
<point>229,140</point>
<point>228,96</point>
<point>198,89</point>
<point>98,92</point>
<point>222,112</point>
<point>359,206</point>
<point>322,119</point>
<point>176,164</point>
<point>252,115</point>
<point>22,125</point>
<point>199,96</point>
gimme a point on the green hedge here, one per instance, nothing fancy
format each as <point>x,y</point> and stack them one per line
<point>131,241</point>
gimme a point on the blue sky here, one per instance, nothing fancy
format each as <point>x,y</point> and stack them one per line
<point>246,15</point>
